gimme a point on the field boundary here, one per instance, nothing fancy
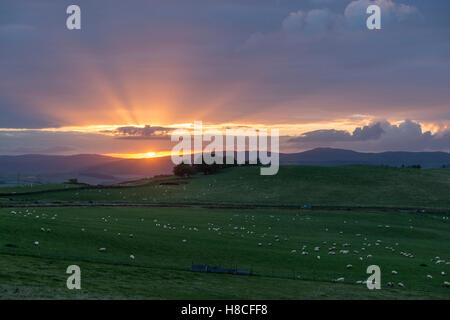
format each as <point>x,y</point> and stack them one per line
<point>83,186</point>
<point>420,210</point>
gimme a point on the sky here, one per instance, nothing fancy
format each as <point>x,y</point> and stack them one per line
<point>139,69</point>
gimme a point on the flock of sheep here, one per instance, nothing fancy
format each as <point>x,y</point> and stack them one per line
<point>359,250</point>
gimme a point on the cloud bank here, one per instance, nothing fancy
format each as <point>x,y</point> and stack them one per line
<point>379,136</point>
<point>146,132</point>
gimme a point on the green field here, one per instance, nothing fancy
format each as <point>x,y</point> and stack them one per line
<point>293,185</point>
<point>35,188</point>
<point>166,240</point>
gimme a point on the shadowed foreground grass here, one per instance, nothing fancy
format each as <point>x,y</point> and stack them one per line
<point>37,278</point>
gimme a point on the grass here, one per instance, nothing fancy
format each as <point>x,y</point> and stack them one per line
<point>258,239</point>
<point>36,188</point>
<point>223,237</point>
<point>103,281</point>
<point>293,185</point>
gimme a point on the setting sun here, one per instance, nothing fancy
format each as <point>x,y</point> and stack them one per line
<point>145,155</point>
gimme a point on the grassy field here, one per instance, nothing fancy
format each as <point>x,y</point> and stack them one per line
<point>35,188</point>
<point>287,249</point>
<point>293,185</point>
<point>220,237</point>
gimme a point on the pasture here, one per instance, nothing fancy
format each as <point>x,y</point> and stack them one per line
<point>347,186</point>
<point>281,246</point>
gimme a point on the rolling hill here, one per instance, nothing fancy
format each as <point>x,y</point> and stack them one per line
<point>337,157</point>
<point>352,186</point>
<point>98,169</point>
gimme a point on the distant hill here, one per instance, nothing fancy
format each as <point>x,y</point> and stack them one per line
<point>45,164</point>
<point>102,169</point>
<point>337,157</point>
<point>132,167</point>
<point>95,169</point>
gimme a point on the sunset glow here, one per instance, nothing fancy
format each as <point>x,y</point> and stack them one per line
<point>147,155</point>
<point>130,85</point>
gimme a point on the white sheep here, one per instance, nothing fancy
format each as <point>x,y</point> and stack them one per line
<point>394,272</point>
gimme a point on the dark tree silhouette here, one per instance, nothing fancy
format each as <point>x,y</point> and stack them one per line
<point>183,170</point>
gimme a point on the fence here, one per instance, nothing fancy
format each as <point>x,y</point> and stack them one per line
<point>219,269</point>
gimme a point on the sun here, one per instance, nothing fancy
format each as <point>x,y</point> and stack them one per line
<point>145,155</point>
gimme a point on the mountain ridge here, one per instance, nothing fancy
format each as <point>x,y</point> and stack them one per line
<point>94,168</point>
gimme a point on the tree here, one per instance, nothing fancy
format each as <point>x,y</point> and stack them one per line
<point>182,170</point>
<point>207,168</point>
